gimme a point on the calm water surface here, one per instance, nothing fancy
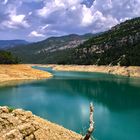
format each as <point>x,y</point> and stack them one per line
<point>65,98</point>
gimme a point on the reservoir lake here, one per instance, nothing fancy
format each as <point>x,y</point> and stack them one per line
<point>64,99</point>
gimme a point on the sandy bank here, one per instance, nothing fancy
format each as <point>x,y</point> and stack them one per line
<point>131,71</point>
<point>19,124</point>
<point>21,72</point>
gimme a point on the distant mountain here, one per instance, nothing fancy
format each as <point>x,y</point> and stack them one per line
<point>4,44</point>
<point>118,46</point>
<point>37,52</point>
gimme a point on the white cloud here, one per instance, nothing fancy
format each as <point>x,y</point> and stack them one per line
<point>43,12</point>
<point>5,2</point>
<point>124,19</point>
<point>59,17</point>
<point>36,34</point>
<point>16,21</point>
<point>72,15</point>
<point>96,19</point>
<point>48,8</point>
<point>87,16</point>
<point>30,13</point>
<point>42,28</point>
<point>54,5</point>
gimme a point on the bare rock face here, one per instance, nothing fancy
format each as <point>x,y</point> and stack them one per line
<point>23,125</point>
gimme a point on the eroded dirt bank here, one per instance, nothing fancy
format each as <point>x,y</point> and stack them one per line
<point>131,71</point>
<point>21,72</point>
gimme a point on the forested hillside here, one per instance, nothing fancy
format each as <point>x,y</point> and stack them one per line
<point>38,52</point>
<point>118,46</point>
<point>8,58</point>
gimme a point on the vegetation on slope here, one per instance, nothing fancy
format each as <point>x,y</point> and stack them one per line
<point>118,46</point>
<point>38,52</point>
<point>8,58</point>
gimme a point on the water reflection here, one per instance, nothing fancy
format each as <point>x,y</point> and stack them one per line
<point>65,99</point>
<point>110,93</point>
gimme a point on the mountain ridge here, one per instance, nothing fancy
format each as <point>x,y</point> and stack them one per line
<point>118,46</point>
<point>52,44</point>
<point>5,44</point>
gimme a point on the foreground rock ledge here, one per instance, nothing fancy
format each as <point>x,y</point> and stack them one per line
<point>23,125</point>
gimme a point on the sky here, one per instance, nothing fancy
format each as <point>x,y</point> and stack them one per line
<point>35,20</point>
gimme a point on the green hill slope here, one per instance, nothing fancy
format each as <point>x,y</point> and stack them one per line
<point>118,46</point>
<point>8,58</point>
<point>38,52</point>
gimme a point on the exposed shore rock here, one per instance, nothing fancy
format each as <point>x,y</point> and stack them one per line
<point>23,125</point>
<point>131,71</point>
<point>21,72</point>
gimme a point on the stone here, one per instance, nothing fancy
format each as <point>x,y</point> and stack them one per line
<point>23,125</point>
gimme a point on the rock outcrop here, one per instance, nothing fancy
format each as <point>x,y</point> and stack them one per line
<point>23,125</point>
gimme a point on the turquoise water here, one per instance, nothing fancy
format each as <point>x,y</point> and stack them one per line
<point>65,98</point>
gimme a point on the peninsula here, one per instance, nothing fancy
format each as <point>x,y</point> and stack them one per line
<point>21,72</point>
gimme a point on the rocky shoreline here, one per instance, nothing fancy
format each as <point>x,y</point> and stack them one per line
<point>23,125</point>
<point>131,71</point>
